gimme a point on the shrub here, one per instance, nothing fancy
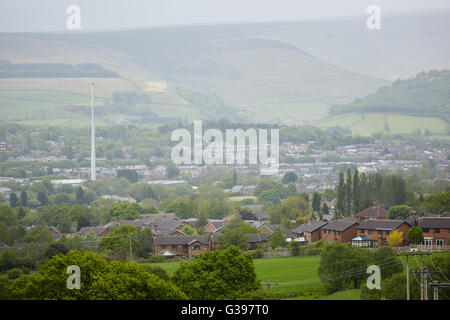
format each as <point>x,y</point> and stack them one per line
<point>156,258</point>
<point>258,253</point>
<point>14,273</point>
<point>157,271</point>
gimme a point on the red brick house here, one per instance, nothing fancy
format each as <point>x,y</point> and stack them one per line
<point>379,230</point>
<point>310,231</point>
<point>339,231</point>
<point>374,212</point>
<point>214,226</point>
<point>436,230</point>
<point>185,246</point>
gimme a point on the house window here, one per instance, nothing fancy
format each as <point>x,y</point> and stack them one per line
<point>370,231</point>
<point>196,247</point>
<point>425,230</point>
<point>437,230</point>
<point>427,241</point>
<point>439,242</point>
<point>362,231</point>
<point>379,232</point>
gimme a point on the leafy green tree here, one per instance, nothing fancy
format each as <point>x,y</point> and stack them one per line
<point>55,249</point>
<point>288,177</point>
<point>348,194</point>
<point>235,177</point>
<point>386,258</point>
<point>117,243</point>
<point>234,234</point>
<point>269,198</point>
<point>124,211</point>
<point>42,198</point>
<point>415,235</point>
<point>129,174</point>
<point>61,198</point>
<point>80,198</point>
<point>23,198</point>
<point>356,193</point>
<point>325,210</point>
<point>172,172</point>
<point>294,246</point>
<point>7,215</point>
<point>13,200</point>
<point>277,239</point>
<point>99,280</point>
<point>398,212</point>
<point>337,260</point>
<point>188,230</point>
<point>340,194</point>
<point>225,274</point>
<point>316,201</point>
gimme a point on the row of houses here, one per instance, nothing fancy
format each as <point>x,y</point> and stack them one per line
<point>370,229</point>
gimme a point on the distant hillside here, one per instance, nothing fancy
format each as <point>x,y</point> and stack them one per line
<point>285,73</point>
<point>426,95</point>
<point>53,70</point>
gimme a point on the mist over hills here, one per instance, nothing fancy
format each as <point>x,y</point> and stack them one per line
<point>266,72</point>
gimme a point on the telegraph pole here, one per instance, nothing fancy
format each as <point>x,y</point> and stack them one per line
<point>424,279</point>
<point>407,279</point>
<point>407,254</point>
<point>268,284</point>
<point>421,278</point>
<point>435,285</point>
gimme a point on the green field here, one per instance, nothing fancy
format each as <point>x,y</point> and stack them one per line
<point>297,276</point>
<point>371,123</point>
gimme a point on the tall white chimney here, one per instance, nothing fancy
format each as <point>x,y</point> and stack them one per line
<point>92,134</point>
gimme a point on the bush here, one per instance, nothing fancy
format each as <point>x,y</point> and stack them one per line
<point>156,258</point>
<point>157,271</point>
<point>258,253</point>
<point>25,270</point>
<point>14,273</point>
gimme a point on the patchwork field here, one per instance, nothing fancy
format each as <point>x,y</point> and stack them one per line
<point>388,123</point>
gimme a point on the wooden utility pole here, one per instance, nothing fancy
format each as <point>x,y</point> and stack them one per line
<point>435,285</point>
<point>268,284</point>
<point>407,279</point>
<point>421,278</point>
<point>407,254</point>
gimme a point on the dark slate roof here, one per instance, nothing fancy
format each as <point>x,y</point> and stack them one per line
<point>273,227</point>
<point>135,223</point>
<point>256,237</point>
<point>339,225</point>
<point>437,223</point>
<point>179,240</point>
<point>309,227</point>
<point>96,230</point>
<point>250,237</point>
<point>217,223</point>
<point>372,212</point>
<point>380,224</point>
<point>166,224</point>
<point>168,233</point>
<point>446,215</point>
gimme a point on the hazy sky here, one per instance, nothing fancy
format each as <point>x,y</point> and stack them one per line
<point>50,15</point>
